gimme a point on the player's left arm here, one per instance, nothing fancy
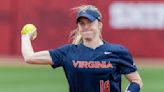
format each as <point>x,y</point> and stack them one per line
<point>135,82</point>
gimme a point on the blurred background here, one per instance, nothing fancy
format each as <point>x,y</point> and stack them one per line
<point>136,24</point>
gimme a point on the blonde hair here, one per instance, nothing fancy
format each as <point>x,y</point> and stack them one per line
<point>75,36</point>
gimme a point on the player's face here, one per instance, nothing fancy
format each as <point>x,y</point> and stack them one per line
<point>89,30</point>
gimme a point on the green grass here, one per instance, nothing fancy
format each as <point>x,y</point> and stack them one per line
<point>46,79</point>
<point>30,79</point>
<point>153,79</point>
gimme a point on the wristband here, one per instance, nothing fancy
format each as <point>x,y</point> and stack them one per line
<point>133,87</point>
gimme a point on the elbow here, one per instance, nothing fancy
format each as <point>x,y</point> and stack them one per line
<point>29,60</point>
<point>36,61</point>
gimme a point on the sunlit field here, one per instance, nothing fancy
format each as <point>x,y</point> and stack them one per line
<point>45,79</point>
<point>34,78</point>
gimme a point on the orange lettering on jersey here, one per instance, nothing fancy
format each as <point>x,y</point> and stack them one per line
<point>104,86</point>
<point>103,64</point>
<point>75,64</point>
<point>92,64</point>
<point>84,64</point>
<point>101,85</point>
<point>109,65</point>
<point>81,64</point>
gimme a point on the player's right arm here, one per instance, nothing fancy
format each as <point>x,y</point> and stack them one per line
<point>31,57</point>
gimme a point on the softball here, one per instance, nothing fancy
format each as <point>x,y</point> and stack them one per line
<point>29,28</point>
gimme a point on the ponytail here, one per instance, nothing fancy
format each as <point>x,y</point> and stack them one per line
<point>75,37</point>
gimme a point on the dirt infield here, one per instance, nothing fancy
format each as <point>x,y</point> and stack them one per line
<point>13,61</point>
<point>141,62</point>
<point>149,62</point>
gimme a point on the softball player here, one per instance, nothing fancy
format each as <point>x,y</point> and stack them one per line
<point>90,63</point>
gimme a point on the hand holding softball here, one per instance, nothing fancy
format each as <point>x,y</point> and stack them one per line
<point>30,30</point>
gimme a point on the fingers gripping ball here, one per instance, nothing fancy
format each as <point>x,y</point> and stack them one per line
<point>29,29</point>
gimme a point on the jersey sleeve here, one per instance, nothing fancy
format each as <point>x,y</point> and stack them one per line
<point>58,55</point>
<point>127,65</point>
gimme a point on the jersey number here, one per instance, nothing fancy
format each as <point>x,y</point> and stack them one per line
<point>104,86</point>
